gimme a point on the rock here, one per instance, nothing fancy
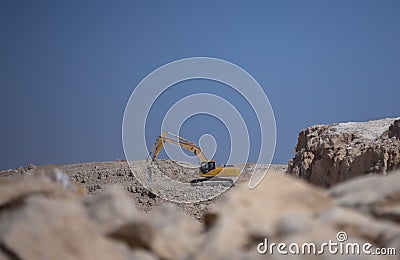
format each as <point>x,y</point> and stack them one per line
<point>111,209</point>
<point>42,218</point>
<point>390,212</point>
<point>291,223</point>
<point>2,256</point>
<point>142,255</point>
<point>284,209</point>
<point>176,235</point>
<point>57,176</point>
<point>31,167</point>
<point>330,154</point>
<point>52,229</point>
<point>248,215</point>
<point>166,232</point>
<point>135,234</point>
<point>379,196</point>
<point>394,129</point>
<point>358,226</point>
<point>15,191</point>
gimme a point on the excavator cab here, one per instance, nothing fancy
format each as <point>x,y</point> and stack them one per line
<point>205,167</point>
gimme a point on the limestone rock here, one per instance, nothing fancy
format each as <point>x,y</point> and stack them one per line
<point>394,129</point>
<point>41,218</point>
<point>379,196</point>
<point>55,175</point>
<point>15,191</point>
<point>248,215</point>
<point>135,234</point>
<point>111,209</point>
<point>166,232</point>
<point>52,229</point>
<point>167,222</point>
<point>358,226</point>
<point>284,209</point>
<point>330,154</point>
<point>3,257</point>
<point>142,255</point>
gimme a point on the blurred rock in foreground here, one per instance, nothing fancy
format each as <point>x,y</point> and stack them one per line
<point>42,218</point>
<point>330,154</point>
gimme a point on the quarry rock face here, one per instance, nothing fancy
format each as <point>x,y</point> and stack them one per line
<point>394,129</point>
<point>329,154</point>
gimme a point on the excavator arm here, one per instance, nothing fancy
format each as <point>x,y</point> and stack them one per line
<point>186,144</point>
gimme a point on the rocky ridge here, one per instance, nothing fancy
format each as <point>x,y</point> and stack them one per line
<point>329,154</point>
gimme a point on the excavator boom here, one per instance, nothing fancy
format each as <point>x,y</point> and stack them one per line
<point>186,144</point>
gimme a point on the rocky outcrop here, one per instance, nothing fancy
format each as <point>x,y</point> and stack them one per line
<point>329,154</point>
<point>394,130</point>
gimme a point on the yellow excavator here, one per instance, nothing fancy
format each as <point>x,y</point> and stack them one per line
<point>207,169</point>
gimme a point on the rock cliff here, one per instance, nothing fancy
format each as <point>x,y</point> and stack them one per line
<point>329,154</point>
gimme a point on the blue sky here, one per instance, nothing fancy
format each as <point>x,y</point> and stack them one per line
<point>69,67</point>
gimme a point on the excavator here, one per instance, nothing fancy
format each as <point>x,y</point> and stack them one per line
<point>207,170</point>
